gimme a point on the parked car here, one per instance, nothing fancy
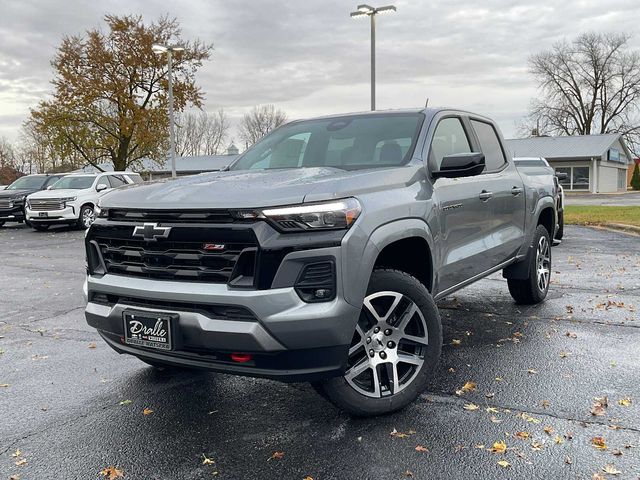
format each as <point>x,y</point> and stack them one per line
<point>12,198</point>
<point>319,254</point>
<point>2,187</point>
<point>71,200</point>
<point>539,167</point>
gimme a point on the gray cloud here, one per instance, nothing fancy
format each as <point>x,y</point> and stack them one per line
<point>310,58</point>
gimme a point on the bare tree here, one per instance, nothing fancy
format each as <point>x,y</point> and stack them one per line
<point>589,86</point>
<point>7,153</point>
<point>201,134</point>
<point>260,121</point>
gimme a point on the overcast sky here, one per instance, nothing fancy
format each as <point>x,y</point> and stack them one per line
<point>310,58</point>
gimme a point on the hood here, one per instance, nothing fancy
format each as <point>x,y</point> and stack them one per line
<point>62,193</point>
<point>15,193</point>
<point>255,189</point>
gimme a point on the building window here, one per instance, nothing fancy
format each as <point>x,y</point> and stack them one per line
<point>578,178</point>
<point>622,180</point>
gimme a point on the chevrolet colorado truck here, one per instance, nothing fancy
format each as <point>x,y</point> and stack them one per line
<point>319,254</point>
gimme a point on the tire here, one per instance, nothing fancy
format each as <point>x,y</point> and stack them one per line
<point>87,216</point>
<point>1,224</point>
<point>40,227</point>
<point>560,232</point>
<point>534,289</point>
<point>400,341</point>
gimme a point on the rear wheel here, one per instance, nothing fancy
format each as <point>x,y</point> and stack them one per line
<point>534,289</point>
<point>394,351</point>
<point>40,227</point>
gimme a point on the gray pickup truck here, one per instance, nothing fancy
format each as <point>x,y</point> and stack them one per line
<point>319,254</point>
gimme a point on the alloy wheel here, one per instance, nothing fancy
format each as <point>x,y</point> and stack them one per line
<point>88,217</point>
<point>388,347</point>
<point>543,263</point>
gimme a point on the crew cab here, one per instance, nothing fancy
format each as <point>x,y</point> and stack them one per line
<point>71,201</point>
<point>12,197</point>
<point>320,253</point>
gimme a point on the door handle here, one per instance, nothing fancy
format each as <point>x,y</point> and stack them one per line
<point>515,191</point>
<point>484,195</point>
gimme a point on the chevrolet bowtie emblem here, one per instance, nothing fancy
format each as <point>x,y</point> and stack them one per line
<point>151,232</point>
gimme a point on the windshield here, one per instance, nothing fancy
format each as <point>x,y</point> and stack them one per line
<point>349,142</point>
<point>75,183</point>
<point>31,182</point>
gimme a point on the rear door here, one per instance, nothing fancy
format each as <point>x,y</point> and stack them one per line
<point>460,216</point>
<point>505,197</point>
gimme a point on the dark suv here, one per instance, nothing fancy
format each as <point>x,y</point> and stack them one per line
<point>12,198</point>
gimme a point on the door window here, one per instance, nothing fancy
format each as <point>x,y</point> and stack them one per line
<point>448,139</point>
<point>580,178</point>
<point>116,181</point>
<point>490,145</point>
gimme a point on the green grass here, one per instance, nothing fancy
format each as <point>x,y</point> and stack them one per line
<point>587,215</point>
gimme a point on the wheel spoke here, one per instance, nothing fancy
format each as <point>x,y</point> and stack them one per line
<point>357,370</point>
<point>406,316</point>
<point>419,340</point>
<point>355,348</point>
<point>392,375</point>
<point>409,358</point>
<point>376,382</point>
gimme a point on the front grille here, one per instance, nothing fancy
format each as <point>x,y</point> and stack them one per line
<point>169,260</point>
<point>46,204</point>
<point>5,203</point>
<point>220,312</point>
<point>187,216</point>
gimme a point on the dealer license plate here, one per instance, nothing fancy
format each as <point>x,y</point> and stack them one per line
<point>148,329</point>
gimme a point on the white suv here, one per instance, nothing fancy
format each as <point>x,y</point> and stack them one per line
<point>72,199</point>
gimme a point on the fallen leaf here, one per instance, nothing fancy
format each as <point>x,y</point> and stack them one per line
<point>111,473</point>
<point>276,456</point>
<point>4,385</point>
<point>564,354</point>
<point>147,411</point>
<point>455,342</point>
<point>125,402</point>
<point>523,435</point>
<point>625,402</point>
<point>504,464</point>
<point>617,452</point>
<point>568,460</point>
<point>308,477</point>
<point>206,460</point>
<point>499,447</point>
<point>92,345</point>
<point>597,410</point>
<point>498,379</point>
<point>611,470</point>
<point>548,430</point>
<point>408,473</point>
<point>597,476</point>
<point>492,410</point>
<point>599,443</point>
<point>420,448</point>
<point>451,370</point>
<point>396,434</point>
<point>571,335</point>
<point>14,477</point>
<point>532,371</point>
<point>558,440</point>
<point>471,407</point>
<point>16,454</point>
<point>467,387</point>
<point>546,403</point>
<point>536,446</point>
<point>22,461</point>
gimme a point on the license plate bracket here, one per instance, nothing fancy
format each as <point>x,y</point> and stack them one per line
<point>149,329</point>
<point>43,214</point>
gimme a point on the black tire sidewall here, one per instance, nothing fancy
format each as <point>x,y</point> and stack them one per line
<point>338,391</point>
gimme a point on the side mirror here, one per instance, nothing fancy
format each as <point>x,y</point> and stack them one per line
<point>461,165</point>
<point>562,175</point>
<point>101,187</point>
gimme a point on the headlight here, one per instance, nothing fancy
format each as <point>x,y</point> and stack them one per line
<point>338,214</point>
<point>18,200</point>
<point>65,200</point>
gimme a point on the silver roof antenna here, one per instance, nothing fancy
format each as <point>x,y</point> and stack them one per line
<point>426,104</point>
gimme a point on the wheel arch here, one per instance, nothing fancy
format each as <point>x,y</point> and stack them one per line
<point>393,243</point>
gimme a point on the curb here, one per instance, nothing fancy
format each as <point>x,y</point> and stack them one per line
<point>623,226</point>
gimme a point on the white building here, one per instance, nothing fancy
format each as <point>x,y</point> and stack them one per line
<point>593,163</point>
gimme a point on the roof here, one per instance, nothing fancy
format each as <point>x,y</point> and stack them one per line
<point>195,164</point>
<point>577,146</point>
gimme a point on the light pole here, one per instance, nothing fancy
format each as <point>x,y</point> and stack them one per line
<point>169,49</point>
<point>367,10</point>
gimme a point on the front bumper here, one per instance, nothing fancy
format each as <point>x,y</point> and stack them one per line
<point>290,340</point>
<point>14,214</point>
<point>67,215</point>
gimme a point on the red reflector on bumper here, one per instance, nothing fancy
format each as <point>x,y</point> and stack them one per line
<point>241,357</point>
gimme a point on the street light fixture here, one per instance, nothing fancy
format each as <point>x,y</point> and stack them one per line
<point>169,49</point>
<point>369,11</point>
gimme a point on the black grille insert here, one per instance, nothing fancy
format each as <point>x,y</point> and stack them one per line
<point>186,216</point>
<point>169,260</point>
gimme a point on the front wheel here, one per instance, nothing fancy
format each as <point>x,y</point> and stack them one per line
<point>394,351</point>
<point>534,289</point>
<point>87,216</point>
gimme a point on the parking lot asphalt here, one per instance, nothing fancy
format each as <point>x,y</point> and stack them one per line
<point>70,406</point>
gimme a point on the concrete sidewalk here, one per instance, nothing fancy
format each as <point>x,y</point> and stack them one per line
<point>625,199</point>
